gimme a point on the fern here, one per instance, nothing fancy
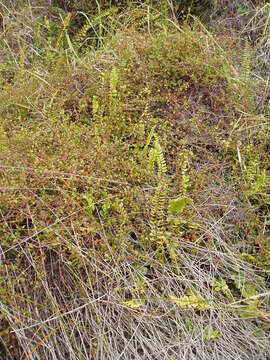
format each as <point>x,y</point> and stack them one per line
<point>152,159</point>
<point>49,56</point>
<point>80,36</point>
<point>113,89</point>
<point>161,163</point>
<point>247,86</point>
<point>159,199</point>
<point>164,8</point>
<point>157,222</point>
<point>66,22</point>
<point>148,141</point>
<point>22,55</point>
<point>185,176</point>
<point>160,211</point>
<point>171,246</point>
<point>156,157</point>
<point>246,63</point>
<point>255,177</point>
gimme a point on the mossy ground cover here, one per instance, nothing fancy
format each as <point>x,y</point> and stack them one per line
<point>134,183</point>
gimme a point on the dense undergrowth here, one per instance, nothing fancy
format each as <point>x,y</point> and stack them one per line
<point>134,180</point>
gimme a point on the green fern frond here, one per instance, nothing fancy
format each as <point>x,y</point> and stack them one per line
<point>149,139</point>
<point>185,176</point>
<point>48,27</point>
<point>156,156</point>
<point>246,63</point>
<point>80,36</point>
<point>171,246</point>
<point>66,22</point>
<point>113,84</point>
<point>160,198</point>
<point>161,163</point>
<point>152,159</point>
<point>114,79</point>
<point>157,222</point>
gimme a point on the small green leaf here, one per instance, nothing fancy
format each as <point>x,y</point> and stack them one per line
<point>247,289</point>
<point>242,11</point>
<point>190,302</point>
<point>89,198</point>
<point>3,291</point>
<point>248,257</point>
<point>251,311</point>
<point>176,206</point>
<point>210,334</point>
<point>134,303</point>
<point>220,285</point>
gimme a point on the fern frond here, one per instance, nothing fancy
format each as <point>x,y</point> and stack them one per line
<point>161,163</point>
<point>185,176</point>
<point>80,36</point>
<point>157,222</point>
<point>159,199</point>
<point>113,84</point>
<point>171,246</point>
<point>149,139</point>
<point>90,24</point>
<point>152,159</point>
<point>66,22</point>
<point>114,79</point>
<point>246,63</point>
<point>48,27</point>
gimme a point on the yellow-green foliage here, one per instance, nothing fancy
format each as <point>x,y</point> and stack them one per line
<point>94,23</point>
<point>117,124</point>
<point>246,63</point>
<point>185,176</point>
<point>95,106</point>
<point>80,36</point>
<point>3,139</point>
<point>157,223</point>
<point>63,30</point>
<point>255,177</point>
<point>159,199</point>
<point>113,90</point>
